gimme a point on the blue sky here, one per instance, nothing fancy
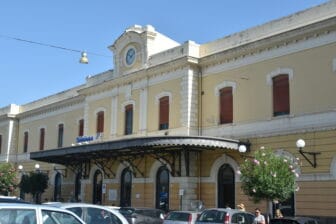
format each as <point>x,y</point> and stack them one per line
<point>30,71</point>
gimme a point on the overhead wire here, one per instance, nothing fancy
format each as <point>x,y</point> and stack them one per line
<point>51,45</point>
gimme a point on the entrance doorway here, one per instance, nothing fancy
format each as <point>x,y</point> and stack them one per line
<point>226,187</point>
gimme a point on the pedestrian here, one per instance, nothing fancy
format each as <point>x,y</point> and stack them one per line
<point>241,207</point>
<point>278,213</point>
<point>259,218</point>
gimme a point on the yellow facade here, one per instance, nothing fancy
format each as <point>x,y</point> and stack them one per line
<point>191,76</point>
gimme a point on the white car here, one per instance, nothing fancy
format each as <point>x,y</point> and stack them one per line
<point>181,217</point>
<point>36,214</point>
<point>93,214</point>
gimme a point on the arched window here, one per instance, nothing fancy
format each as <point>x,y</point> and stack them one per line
<point>60,135</point>
<point>226,187</point>
<point>225,105</point>
<point>58,187</point>
<point>25,141</point>
<point>164,113</point>
<point>126,188</point>
<point>162,189</point>
<point>129,119</point>
<point>280,95</point>
<point>100,122</point>
<point>97,187</point>
<point>42,136</point>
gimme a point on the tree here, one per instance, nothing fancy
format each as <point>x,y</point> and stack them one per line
<point>8,180</point>
<point>268,176</point>
<point>35,183</point>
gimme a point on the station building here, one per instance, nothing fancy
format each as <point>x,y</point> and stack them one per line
<point>163,128</point>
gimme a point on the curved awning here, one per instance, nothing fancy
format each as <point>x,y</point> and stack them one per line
<point>164,147</point>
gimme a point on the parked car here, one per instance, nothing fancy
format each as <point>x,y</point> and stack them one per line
<point>143,215</point>
<point>93,214</point>
<point>12,199</point>
<point>36,214</point>
<point>223,215</point>
<point>294,220</point>
<point>181,217</point>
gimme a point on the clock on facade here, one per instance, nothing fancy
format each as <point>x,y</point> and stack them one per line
<point>130,56</point>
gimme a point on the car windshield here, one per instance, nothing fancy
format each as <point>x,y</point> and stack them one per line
<point>212,216</point>
<point>178,216</point>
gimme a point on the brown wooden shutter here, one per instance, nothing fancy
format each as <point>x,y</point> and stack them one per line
<point>128,119</point>
<point>25,142</point>
<point>100,122</point>
<point>42,136</point>
<point>280,95</point>
<point>226,105</point>
<point>81,127</point>
<point>164,113</point>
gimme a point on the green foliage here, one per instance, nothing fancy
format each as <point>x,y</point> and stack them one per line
<point>35,183</point>
<point>268,176</point>
<point>8,180</point>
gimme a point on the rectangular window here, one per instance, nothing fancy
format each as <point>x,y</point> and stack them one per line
<point>25,142</point>
<point>81,127</point>
<point>280,95</point>
<point>100,122</point>
<point>60,135</point>
<point>164,113</point>
<point>128,119</point>
<point>226,105</point>
<point>42,136</point>
<point>0,144</point>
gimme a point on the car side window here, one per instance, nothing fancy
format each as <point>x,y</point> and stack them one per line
<point>18,216</point>
<point>78,211</point>
<point>238,218</point>
<point>55,217</point>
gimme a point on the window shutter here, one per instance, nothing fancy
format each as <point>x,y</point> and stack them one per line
<point>226,105</point>
<point>81,127</point>
<point>42,135</point>
<point>280,95</point>
<point>164,113</point>
<point>25,142</point>
<point>60,135</point>
<point>100,122</point>
<point>128,119</point>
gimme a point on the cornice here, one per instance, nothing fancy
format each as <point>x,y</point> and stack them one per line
<point>285,39</point>
<point>52,107</point>
<point>143,74</point>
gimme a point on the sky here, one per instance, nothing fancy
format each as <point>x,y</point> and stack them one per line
<point>41,41</point>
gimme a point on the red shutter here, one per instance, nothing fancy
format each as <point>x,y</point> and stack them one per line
<point>81,127</point>
<point>164,113</point>
<point>100,122</point>
<point>226,105</point>
<point>280,95</point>
<point>42,135</point>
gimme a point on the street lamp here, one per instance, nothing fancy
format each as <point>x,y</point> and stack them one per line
<point>300,144</point>
<point>242,148</point>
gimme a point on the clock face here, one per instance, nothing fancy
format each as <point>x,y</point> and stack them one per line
<point>130,56</point>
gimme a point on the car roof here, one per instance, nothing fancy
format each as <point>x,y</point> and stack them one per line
<point>27,206</point>
<point>75,204</point>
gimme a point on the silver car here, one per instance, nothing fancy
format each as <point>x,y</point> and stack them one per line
<point>93,214</point>
<point>181,217</point>
<point>36,214</point>
<point>223,215</point>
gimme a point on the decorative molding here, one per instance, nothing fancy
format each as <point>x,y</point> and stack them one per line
<point>163,94</point>
<point>223,85</point>
<point>277,72</point>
